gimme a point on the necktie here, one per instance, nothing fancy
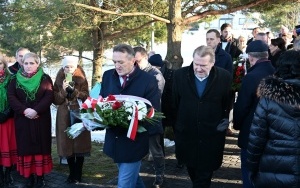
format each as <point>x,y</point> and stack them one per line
<point>124,81</point>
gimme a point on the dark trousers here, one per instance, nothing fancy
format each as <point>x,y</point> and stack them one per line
<point>200,179</point>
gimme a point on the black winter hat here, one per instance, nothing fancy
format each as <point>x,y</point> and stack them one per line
<point>257,46</point>
<point>156,60</point>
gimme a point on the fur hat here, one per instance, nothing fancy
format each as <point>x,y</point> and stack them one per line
<point>156,60</point>
<point>69,60</point>
<point>257,46</point>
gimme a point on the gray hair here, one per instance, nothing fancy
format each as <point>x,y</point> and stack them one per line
<point>259,55</point>
<point>124,48</point>
<point>34,56</point>
<point>204,51</point>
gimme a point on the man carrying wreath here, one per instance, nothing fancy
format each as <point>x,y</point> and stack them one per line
<point>128,79</point>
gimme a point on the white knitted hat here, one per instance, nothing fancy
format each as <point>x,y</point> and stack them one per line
<point>69,60</point>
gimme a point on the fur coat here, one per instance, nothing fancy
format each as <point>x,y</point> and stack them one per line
<point>82,144</point>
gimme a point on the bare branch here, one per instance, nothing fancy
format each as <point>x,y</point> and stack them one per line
<point>123,14</point>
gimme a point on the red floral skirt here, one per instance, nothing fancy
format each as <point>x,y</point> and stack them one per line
<point>34,164</point>
<point>8,146</point>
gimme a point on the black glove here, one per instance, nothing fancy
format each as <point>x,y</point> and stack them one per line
<point>223,125</point>
<point>70,89</point>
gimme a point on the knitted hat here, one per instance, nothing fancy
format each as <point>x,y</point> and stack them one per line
<point>156,60</point>
<point>69,60</point>
<point>257,46</point>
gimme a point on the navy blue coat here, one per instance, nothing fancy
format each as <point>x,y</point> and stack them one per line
<point>198,142</point>
<point>117,146</point>
<point>223,60</point>
<point>247,99</point>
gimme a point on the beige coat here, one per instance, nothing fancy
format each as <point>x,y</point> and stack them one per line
<point>82,144</point>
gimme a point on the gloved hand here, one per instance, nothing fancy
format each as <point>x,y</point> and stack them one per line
<point>70,89</point>
<point>223,125</point>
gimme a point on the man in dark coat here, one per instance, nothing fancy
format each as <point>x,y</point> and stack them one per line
<point>222,58</point>
<point>200,101</point>
<point>228,42</point>
<point>17,65</point>
<point>156,131</point>
<point>124,151</point>
<point>247,100</point>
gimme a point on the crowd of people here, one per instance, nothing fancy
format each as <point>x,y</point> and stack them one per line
<point>265,111</point>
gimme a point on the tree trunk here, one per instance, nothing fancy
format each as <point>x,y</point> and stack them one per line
<point>98,52</point>
<point>175,29</point>
<point>80,57</point>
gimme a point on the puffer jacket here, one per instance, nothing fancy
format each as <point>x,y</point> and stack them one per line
<point>274,140</point>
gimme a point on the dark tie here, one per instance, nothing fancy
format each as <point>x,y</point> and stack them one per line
<point>124,81</point>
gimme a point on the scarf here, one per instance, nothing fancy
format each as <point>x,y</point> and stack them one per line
<point>29,85</point>
<point>3,91</point>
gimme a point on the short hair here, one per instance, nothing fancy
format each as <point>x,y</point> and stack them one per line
<point>203,51</point>
<point>21,49</point>
<point>33,55</point>
<point>288,65</point>
<point>124,48</point>
<point>259,55</point>
<point>262,34</point>
<point>296,43</point>
<point>280,42</point>
<point>225,25</point>
<point>141,50</point>
<point>214,31</point>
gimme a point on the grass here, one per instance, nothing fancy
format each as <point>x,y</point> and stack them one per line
<point>97,169</point>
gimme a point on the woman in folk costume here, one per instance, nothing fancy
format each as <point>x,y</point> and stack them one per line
<point>8,147</point>
<point>70,86</point>
<point>30,94</point>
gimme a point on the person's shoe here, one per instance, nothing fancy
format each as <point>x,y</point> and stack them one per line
<point>40,182</point>
<point>70,179</point>
<point>1,177</point>
<point>159,180</point>
<point>29,181</point>
<point>7,177</point>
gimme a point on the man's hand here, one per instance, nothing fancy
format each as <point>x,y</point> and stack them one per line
<point>223,125</point>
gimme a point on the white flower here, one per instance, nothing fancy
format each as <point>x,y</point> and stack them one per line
<point>129,118</point>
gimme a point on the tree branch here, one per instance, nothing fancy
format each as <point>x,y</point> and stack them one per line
<point>200,15</point>
<point>127,31</point>
<point>190,9</point>
<point>122,14</point>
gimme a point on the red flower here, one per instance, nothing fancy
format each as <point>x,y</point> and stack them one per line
<point>111,98</point>
<point>116,105</point>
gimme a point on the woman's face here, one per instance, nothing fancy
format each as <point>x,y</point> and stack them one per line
<point>272,48</point>
<point>29,65</point>
<point>70,69</point>
<point>2,65</point>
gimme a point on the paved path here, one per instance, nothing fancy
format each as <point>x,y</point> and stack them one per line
<point>228,176</point>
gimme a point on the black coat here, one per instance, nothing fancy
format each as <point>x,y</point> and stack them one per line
<point>198,143</point>
<point>247,100</point>
<point>232,48</point>
<point>223,60</point>
<point>140,83</point>
<point>274,140</point>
